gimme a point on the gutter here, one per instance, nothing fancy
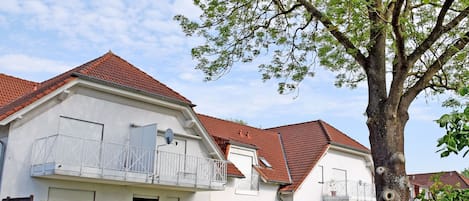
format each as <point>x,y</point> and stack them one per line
<point>349,147</point>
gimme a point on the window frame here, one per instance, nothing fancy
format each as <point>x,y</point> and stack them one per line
<point>254,179</point>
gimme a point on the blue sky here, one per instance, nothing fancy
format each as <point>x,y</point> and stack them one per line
<point>41,39</point>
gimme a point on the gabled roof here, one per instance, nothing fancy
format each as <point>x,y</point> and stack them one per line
<point>305,144</point>
<point>13,88</point>
<point>108,69</point>
<point>452,178</point>
<point>267,144</point>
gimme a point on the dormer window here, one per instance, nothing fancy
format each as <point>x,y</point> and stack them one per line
<point>265,162</point>
<point>245,159</point>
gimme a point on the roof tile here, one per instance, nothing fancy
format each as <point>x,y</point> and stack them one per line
<point>267,143</point>
<point>13,88</point>
<point>109,68</point>
<point>305,144</point>
<point>451,178</point>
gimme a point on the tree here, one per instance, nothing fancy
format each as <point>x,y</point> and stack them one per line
<point>238,121</point>
<point>398,47</point>
<point>465,172</point>
<point>457,128</point>
<point>439,191</point>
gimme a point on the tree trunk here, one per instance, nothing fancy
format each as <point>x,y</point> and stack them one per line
<point>387,147</point>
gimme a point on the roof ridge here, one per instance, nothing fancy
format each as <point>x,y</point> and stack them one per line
<point>69,72</point>
<point>95,62</point>
<point>462,178</point>
<point>282,146</point>
<point>294,124</point>
<point>260,129</point>
<point>343,133</point>
<point>433,172</point>
<point>110,53</point>
<point>328,136</point>
<point>303,178</point>
<point>14,77</point>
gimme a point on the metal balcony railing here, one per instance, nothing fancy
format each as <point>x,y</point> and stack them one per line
<point>348,191</point>
<point>73,156</point>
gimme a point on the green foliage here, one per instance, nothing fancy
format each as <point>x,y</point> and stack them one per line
<point>296,40</point>
<point>442,192</point>
<point>456,124</point>
<point>238,121</point>
<point>465,172</point>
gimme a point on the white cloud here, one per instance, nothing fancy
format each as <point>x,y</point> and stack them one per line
<point>24,63</point>
<point>140,25</point>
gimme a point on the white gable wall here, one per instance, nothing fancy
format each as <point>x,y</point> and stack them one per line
<point>314,186</point>
<point>244,159</point>
<point>267,192</point>
<point>115,113</point>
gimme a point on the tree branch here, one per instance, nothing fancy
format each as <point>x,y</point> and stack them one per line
<point>389,9</point>
<point>437,31</point>
<point>423,82</point>
<point>396,27</point>
<point>433,4</point>
<point>400,68</point>
<point>341,38</point>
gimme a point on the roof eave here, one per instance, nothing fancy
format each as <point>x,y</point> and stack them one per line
<point>26,108</point>
<point>235,176</point>
<point>132,89</point>
<point>349,147</point>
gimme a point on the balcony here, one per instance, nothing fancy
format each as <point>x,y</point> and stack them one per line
<point>348,191</point>
<point>72,158</point>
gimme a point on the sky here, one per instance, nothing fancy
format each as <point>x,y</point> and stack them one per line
<point>41,39</point>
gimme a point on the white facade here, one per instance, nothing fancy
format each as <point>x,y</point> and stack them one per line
<point>342,174</point>
<point>250,188</point>
<point>267,192</point>
<point>84,113</point>
<point>114,113</point>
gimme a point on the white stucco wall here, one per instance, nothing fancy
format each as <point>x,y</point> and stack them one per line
<point>116,113</point>
<point>267,192</point>
<point>312,188</point>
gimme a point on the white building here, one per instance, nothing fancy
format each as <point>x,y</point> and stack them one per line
<point>97,132</point>
<point>107,131</point>
<point>258,157</point>
<point>325,164</point>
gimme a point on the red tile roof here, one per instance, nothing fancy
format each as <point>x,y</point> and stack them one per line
<point>305,144</point>
<point>109,68</point>
<point>267,143</point>
<point>13,88</point>
<point>451,178</point>
<point>233,171</point>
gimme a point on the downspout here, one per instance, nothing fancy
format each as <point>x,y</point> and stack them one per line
<point>2,158</point>
<point>279,196</point>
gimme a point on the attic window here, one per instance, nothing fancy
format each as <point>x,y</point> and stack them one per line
<point>265,162</point>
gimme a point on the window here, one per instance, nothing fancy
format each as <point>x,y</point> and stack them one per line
<point>145,199</point>
<point>80,128</point>
<point>321,173</point>
<point>245,164</point>
<point>339,181</point>
<point>265,162</point>
<point>254,180</point>
<point>339,175</point>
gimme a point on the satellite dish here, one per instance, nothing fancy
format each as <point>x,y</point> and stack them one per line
<point>169,136</point>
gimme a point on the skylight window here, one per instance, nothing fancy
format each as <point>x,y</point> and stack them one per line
<point>265,162</point>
